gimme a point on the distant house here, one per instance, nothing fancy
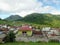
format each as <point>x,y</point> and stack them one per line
<point>45,31</point>
<point>3,26</point>
<point>53,32</point>
<point>37,31</point>
<point>4,30</point>
<point>2,34</point>
<point>13,28</point>
<point>25,30</point>
<point>50,32</point>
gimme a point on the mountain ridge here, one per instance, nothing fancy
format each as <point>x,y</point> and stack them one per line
<point>13,18</point>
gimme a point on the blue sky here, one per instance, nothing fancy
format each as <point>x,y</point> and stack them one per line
<point>24,7</point>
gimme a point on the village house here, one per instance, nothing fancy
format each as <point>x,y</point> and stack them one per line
<point>25,30</point>
<point>3,32</point>
<point>14,29</point>
<point>3,26</point>
<point>53,33</point>
<point>37,32</point>
<point>45,31</point>
<point>50,32</point>
<point>2,36</point>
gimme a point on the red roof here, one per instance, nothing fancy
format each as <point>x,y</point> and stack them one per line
<point>25,28</point>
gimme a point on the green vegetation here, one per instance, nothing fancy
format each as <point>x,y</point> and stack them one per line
<point>43,19</point>
<point>34,19</point>
<point>13,18</point>
<point>38,18</point>
<point>10,37</point>
<point>30,43</point>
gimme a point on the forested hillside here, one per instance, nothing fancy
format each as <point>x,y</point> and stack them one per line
<point>37,18</point>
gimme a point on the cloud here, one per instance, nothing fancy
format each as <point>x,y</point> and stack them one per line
<point>4,6</point>
<point>24,7</point>
<point>19,6</point>
<point>15,5</point>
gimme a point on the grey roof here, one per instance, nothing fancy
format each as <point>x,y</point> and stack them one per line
<point>2,35</point>
<point>1,32</point>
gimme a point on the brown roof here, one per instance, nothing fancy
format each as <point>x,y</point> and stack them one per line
<point>37,32</point>
<point>3,29</point>
<point>25,28</point>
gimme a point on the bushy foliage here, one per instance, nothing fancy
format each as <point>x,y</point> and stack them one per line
<point>10,37</point>
<point>54,40</point>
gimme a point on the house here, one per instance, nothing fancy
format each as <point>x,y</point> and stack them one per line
<point>25,30</point>
<point>13,28</point>
<point>53,32</point>
<point>37,32</point>
<point>2,36</point>
<point>3,26</point>
<point>45,31</point>
<point>4,30</point>
<point>50,32</point>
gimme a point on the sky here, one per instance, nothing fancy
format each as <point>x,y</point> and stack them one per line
<point>25,7</point>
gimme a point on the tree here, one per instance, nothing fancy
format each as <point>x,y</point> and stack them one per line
<point>10,37</point>
<point>0,19</point>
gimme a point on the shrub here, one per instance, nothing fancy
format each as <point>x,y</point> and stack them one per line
<point>54,40</point>
<point>38,41</point>
<point>10,37</point>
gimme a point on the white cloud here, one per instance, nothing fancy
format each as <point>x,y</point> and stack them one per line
<point>19,6</point>
<point>23,13</point>
<point>4,6</point>
<point>16,5</point>
<point>24,7</point>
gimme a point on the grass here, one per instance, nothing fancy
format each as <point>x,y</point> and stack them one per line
<point>30,43</point>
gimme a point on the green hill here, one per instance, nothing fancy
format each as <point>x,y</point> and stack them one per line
<point>13,18</point>
<point>43,19</point>
<point>37,18</point>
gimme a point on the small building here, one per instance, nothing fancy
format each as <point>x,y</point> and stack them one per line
<point>2,36</point>
<point>25,30</point>
<point>50,32</point>
<point>53,32</point>
<point>3,32</point>
<point>45,31</point>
